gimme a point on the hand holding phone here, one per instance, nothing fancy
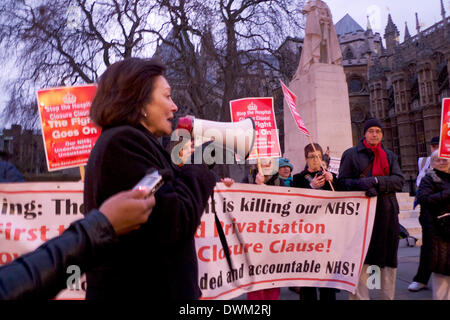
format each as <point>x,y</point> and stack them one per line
<point>152,181</point>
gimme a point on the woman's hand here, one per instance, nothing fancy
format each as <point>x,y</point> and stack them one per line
<point>228,182</point>
<point>318,181</point>
<point>328,176</point>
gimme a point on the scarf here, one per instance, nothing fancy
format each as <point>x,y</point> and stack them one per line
<point>380,162</point>
<point>287,181</point>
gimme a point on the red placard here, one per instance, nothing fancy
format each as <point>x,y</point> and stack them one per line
<point>68,132</point>
<point>267,144</point>
<point>444,143</point>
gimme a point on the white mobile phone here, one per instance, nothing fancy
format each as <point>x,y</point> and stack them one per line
<point>151,181</point>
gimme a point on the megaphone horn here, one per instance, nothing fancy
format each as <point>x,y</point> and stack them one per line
<point>237,137</point>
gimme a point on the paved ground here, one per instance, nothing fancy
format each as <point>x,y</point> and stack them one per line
<point>408,261</point>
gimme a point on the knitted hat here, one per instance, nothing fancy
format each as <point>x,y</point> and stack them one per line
<point>284,162</point>
<point>434,141</point>
<point>374,122</point>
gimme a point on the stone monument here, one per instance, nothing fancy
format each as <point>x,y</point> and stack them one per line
<point>321,89</point>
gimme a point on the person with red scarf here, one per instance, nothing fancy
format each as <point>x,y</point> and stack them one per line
<point>372,168</point>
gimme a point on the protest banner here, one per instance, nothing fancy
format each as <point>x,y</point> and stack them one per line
<point>267,143</point>
<point>444,143</point>
<point>283,237</point>
<point>67,130</point>
<point>32,213</point>
<point>277,236</point>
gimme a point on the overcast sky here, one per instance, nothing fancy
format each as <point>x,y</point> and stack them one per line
<point>401,10</point>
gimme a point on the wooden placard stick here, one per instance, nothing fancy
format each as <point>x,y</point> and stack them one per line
<point>82,173</point>
<point>258,162</point>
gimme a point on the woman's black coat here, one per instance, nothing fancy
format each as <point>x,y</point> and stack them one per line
<point>385,233</point>
<point>433,196</point>
<point>159,260</point>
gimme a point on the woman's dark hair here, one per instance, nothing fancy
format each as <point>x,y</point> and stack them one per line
<point>309,148</point>
<point>123,91</point>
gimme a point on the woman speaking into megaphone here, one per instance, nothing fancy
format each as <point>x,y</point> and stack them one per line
<point>134,108</point>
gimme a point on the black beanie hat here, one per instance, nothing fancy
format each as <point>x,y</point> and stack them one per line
<point>434,141</point>
<point>374,122</point>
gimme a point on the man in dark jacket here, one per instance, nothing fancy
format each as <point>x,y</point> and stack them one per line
<point>372,168</point>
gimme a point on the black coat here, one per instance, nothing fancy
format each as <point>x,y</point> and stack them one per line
<point>303,180</point>
<point>385,234</point>
<point>42,273</point>
<point>275,180</point>
<point>434,198</point>
<point>159,260</point>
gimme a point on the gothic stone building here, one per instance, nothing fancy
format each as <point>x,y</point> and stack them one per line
<point>402,83</point>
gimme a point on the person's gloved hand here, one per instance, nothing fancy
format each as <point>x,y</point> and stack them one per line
<point>371,192</point>
<point>367,183</point>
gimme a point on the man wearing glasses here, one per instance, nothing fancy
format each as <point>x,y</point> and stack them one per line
<point>371,168</point>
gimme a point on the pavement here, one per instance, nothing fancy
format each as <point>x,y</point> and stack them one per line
<point>408,262</point>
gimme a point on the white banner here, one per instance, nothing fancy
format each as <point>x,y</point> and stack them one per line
<point>282,237</point>
<point>334,165</point>
<point>277,236</point>
<point>32,213</point>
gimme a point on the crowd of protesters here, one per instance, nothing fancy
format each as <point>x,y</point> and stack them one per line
<point>134,107</point>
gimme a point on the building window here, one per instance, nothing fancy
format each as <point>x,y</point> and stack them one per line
<point>442,78</point>
<point>355,85</point>
<point>395,144</point>
<point>420,140</point>
<point>348,54</point>
<point>430,92</point>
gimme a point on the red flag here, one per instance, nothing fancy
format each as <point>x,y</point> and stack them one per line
<point>291,99</point>
<point>444,143</point>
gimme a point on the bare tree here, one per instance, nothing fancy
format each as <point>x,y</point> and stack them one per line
<point>216,50</point>
<point>66,42</point>
<point>225,49</point>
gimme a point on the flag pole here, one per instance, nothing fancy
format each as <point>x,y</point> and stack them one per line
<point>258,162</point>
<point>291,99</point>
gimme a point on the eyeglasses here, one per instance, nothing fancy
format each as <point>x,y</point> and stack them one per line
<point>314,157</point>
<point>374,131</point>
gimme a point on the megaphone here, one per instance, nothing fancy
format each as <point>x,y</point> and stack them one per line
<point>237,137</point>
